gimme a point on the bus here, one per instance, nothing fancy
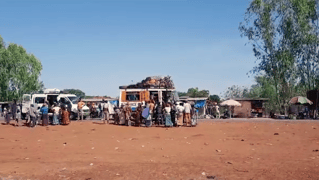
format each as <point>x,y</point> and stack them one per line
<point>136,96</point>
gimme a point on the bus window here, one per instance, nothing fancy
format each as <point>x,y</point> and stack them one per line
<point>39,100</point>
<point>132,96</point>
<point>154,95</point>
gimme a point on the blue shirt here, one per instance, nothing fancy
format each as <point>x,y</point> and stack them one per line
<point>44,110</point>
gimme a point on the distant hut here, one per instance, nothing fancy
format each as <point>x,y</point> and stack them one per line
<point>250,107</point>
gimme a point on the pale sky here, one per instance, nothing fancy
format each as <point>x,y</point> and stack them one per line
<point>97,46</point>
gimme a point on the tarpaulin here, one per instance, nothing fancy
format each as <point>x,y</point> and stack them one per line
<point>200,104</point>
<point>114,102</point>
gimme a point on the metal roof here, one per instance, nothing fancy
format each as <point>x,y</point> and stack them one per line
<point>250,99</point>
<point>99,100</point>
<point>192,99</point>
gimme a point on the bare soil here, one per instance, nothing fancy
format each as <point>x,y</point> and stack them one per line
<point>212,150</point>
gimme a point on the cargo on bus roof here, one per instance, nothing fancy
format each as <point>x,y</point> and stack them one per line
<point>154,82</point>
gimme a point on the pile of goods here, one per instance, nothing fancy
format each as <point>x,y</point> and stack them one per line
<point>153,82</point>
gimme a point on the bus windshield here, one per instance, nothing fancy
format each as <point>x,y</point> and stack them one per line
<point>133,96</point>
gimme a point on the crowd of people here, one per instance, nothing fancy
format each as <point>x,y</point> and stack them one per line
<point>59,114</point>
<point>152,113</point>
<point>167,114</point>
<point>212,109</point>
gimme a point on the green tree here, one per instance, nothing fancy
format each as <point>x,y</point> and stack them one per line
<point>214,98</point>
<point>236,92</point>
<point>77,92</point>
<point>181,94</point>
<point>284,36</point>
<point>19,72</point>
<point>194,92</point>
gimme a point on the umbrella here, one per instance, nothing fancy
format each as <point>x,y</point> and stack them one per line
<point>230,102</point>
<point>300,100</point>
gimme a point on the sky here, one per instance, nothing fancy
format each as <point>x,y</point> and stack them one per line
<point>97,46</point>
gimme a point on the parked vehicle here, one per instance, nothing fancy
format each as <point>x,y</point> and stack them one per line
<point>159,89</point>
<point>139,96</point>
<point>38,99</point>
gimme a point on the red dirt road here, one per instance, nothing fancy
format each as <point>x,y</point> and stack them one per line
<point>219,150</point>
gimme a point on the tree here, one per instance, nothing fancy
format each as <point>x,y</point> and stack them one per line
<point>19,72</point>
<point>284,36</point>
<point>194,92</point>
<point>214,98</point>
<point>77,92</point>
<point>236,92</point>
<point>181,94</point>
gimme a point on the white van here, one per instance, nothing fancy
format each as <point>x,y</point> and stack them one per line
<point>70,100</point>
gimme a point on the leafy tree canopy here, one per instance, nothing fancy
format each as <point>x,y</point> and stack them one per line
<point>236,92</point>
<point>19,72</point>
<point>284,35</point>
<point>194,92</point>
<point>214,98</point>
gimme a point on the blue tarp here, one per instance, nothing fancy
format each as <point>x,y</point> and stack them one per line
<point>114,102</point>
<point>200,103</point>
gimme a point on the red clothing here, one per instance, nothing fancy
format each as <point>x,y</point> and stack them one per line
<point>65,117</point>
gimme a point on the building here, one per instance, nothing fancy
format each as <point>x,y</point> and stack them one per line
<point>199,103</point>
<point>250,107</point>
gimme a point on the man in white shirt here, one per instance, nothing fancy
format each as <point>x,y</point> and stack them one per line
<point>217,111</point>
<point>180,111</point>
<point>187,111</point>
<point>106,111</point>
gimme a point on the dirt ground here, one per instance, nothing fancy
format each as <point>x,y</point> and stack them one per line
<point>89,150</point>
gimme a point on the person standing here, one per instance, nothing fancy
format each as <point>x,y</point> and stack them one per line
<point>45,118</point>
<point>173,114</point>
<point>180,112</point>
<point>152,108</point>
<point>127,111</point>
<point>138,117</point>
<point>65,114</point>
<point>167,110</point>
<point>6,115</point>
<point>33,116</point>
<point>159,113</point>
<point>193,116</point>
<point>80,109</point>
<point>106,111</point>
<point>187,110</point>
<point>1,111</point>
<point>14,109</point>
<point>56,112</point>
<point>217,111</point>
<point>18,114</point>
<point>147,115</point>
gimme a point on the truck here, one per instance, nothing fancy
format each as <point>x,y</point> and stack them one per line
<point>52,96</point>
<point>159,89</point>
